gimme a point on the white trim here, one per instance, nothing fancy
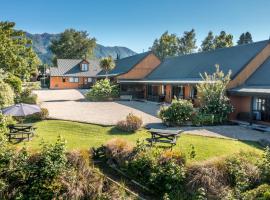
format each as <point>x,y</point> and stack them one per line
<point>161,81</point>
<point>101,75</point>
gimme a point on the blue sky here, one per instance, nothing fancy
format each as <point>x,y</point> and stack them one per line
<point>136,23</point>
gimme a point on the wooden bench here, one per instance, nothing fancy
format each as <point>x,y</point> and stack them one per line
<point>21,131</point>
<point>163,136</point>
<point>22,135</point>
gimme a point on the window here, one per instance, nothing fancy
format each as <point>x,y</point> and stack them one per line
<point>193,92</point>
<point>84,67</point>
<point>73,79</point>
<point>178,91</point>
<point>89,80</point>
<point>64,80</point>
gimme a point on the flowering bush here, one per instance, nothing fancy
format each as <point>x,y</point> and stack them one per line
<point>178,113</point>
<point>212,95</point>
<point>103,90</point>
<point>131,124</point>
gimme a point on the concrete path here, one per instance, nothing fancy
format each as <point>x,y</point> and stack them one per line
<point>71,105</point>
<point>229,132</point>
<point>234,132</point>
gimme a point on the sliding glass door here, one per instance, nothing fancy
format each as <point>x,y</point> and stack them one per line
<point>261,108</point>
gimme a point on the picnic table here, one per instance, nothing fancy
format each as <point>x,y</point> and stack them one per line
<point>163,136</point>
<point>22,130</point>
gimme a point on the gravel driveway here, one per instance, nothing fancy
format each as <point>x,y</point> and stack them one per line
<point>71,105</point>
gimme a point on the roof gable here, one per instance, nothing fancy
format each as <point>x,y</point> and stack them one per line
<point>261,75</point>
<point>71,67</point>
<point>125,64</point>
<point>190,66</point>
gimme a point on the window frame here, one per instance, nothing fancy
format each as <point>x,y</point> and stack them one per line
<point>73,79</point>
<point>84,67</point>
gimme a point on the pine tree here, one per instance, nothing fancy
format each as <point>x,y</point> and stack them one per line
<point>208,42</point>
<point>166,45</point>
<point>187,44</point>
<point>73,44</point>
<point>223,40</point>
<point>245,38</point>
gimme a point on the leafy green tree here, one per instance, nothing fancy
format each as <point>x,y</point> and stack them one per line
<point>6,95</point>
<point>212,95</point>
<point>16,54</point>
<point>223,40</point>
<point>208,42</point>
<point>107,64</point>
<point>73,44</point>
<point>245,38</point>
<point>166,45</point>
<point>15,82</point>
<point>187,43</point>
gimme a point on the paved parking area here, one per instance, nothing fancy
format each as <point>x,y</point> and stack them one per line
<point>71,105</point>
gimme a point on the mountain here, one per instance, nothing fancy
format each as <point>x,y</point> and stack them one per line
<point>41,43</point>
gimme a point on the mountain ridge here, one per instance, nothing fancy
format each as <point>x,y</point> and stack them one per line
<point>42,41</point>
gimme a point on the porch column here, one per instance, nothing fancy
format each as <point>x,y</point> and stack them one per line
<point>168,97</point>
<point>251,111</point>
<point>145,91</point>
<point>187,91</point>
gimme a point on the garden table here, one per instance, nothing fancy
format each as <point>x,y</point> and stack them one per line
<point>21,130</point>
<point>164,136</point>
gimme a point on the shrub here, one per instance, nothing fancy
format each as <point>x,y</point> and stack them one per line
<point>118,151</point>
<point>178,113</point>
<point>167,177</point>
<point>242,174</point>
<point>262,192</point>
<point>52,174</point>
<point>103,90</point>
<point>161,171</point>
<point>141,166</point>
<point>210,176</point>
<point>200,119</point>
<point>31,85</point>
<point>6,95</point>
<point>264,165</point>
<point>44,114</point>
<point>177,156</point>
<point>131,124</point>
<point>27,97</point>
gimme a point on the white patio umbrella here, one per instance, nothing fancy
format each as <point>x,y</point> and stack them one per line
<point>21,110</point>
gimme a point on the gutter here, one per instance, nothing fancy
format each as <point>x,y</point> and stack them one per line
<point>162,81</point>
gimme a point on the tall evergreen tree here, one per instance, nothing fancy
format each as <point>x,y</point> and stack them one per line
<point>166,45</point>
<point>208,42</point>
<point>73,44</point>
<point>245,38</point>
<point>187,44</point>
<point>223,40</point>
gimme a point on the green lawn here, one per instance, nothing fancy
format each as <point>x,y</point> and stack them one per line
<point>83,136</point>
